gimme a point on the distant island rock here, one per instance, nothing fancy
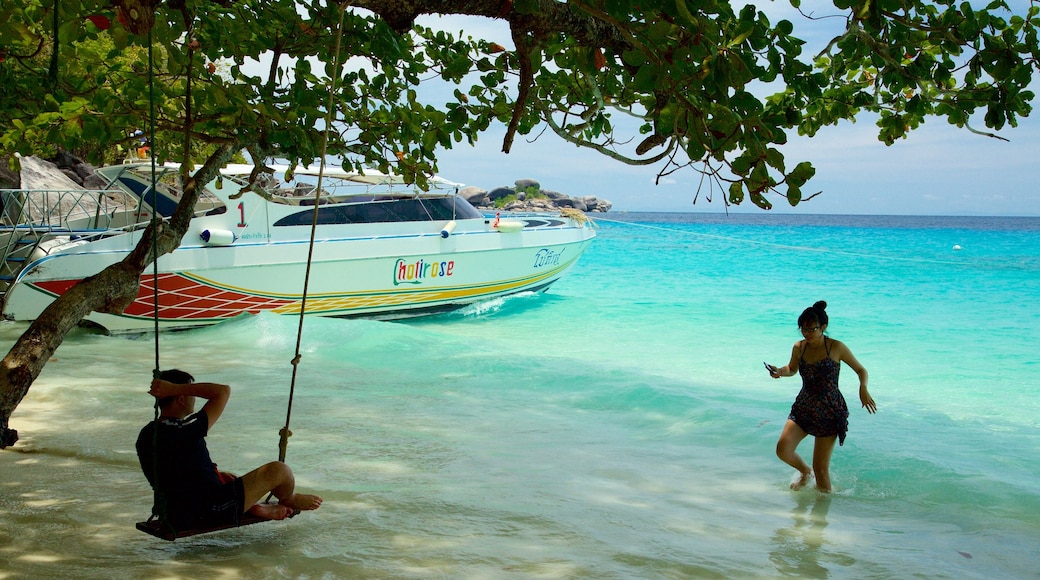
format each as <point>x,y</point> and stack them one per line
<point>528,195</point>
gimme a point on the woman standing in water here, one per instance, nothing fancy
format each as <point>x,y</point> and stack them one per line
<point>820,409</point>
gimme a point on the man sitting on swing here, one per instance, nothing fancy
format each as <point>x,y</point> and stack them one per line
<point>189,490</point>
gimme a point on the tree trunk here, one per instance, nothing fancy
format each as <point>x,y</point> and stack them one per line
<point>110,291</point>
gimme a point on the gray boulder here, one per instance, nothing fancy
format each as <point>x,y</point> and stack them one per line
<point>527,183</point>
<point>40,174</point>
<point>73,176</point>
<point>475,195</point>
<point>94,181</point>
<point>571,202</point>
<point>500,192</point>
<point>594,203</point>
<point>534,204</point>
<point>8,179</point>
<point>84,170</point>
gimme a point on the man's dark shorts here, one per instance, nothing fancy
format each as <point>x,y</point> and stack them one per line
<point>224,507</point>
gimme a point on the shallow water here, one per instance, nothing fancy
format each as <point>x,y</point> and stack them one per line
<point>618,426</point>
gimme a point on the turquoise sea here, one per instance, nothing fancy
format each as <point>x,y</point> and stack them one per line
<point>620,425</point>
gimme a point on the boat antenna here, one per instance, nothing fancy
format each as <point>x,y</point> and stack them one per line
<point>285,433</point>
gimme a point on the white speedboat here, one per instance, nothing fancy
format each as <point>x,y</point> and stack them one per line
<point>385,250</point>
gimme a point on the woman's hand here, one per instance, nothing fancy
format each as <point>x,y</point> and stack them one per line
<point>867,400</point>
<point>773,371</point>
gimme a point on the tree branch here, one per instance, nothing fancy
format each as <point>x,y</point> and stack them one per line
<point>606,150</point>
<point>524,54</point>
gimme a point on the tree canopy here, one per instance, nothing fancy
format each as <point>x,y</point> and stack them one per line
<point>712,87</point>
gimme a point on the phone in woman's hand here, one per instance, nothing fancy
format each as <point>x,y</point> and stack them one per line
<point>772,370</point>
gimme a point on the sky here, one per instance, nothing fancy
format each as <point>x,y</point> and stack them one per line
<point>939,170</point>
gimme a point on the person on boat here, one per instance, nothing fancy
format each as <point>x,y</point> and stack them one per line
<point>189,490</point>
<point>819,409</point>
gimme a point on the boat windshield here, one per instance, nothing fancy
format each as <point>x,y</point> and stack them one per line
<point>413,209</point>
<point>137,180</point>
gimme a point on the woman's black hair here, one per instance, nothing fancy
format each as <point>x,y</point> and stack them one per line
<point>816,313</point>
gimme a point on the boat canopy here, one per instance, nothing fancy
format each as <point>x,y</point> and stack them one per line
<point>369,177</point>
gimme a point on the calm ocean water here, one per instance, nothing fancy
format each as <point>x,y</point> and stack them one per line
<point>619,426</point>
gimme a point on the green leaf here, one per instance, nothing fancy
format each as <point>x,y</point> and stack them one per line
<point>741,165</point>
<point>736,192</point>
<point>775,158</point>
<point>802,173</point>
<point>794,195</point>
<point>645,79</point>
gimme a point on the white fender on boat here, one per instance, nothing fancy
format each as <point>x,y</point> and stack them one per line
<point>508,226</point>
<point>218,237</point>
<point>448,229</point>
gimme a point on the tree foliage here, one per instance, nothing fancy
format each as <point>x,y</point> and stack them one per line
<point>712,88</point>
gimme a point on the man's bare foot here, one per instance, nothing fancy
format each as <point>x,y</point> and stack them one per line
<point>303,502</point>
<point>801,481</point>
<point>271,511</point>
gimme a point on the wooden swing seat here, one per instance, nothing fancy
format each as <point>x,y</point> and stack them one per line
<point>160,530</point>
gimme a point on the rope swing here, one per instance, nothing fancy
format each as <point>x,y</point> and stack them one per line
<point>157,524</point>
<point>285,433</point>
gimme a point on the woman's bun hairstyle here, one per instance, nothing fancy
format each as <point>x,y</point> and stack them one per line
<point>816,313</point>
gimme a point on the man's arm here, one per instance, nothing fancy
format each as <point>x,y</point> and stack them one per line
<point>216,395</point>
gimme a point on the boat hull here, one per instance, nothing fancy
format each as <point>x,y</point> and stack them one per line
<point>382,276</point>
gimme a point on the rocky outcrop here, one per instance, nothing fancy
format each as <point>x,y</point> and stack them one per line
<point>8,179</point>
<point>528,195</point>
<point>64,172</point>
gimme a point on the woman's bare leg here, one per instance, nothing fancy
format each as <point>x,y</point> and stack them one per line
<point>821,462</point>
<point>786,450</point>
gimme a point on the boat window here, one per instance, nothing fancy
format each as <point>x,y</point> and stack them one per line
<point>169,190</point>
<point>385,211</point>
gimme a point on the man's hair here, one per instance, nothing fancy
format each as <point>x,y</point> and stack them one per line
<point>174,376</point>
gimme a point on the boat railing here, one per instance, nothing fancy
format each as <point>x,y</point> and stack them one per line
<point>29,218</point>
<point>44,209</point>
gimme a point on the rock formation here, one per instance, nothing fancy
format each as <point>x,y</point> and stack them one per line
<point>528,195</point>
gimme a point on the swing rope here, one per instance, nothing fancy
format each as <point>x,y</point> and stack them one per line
<point>160,501</point>
<point>155,214</point>
<point>161,528</point>
<point>284,433</point>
